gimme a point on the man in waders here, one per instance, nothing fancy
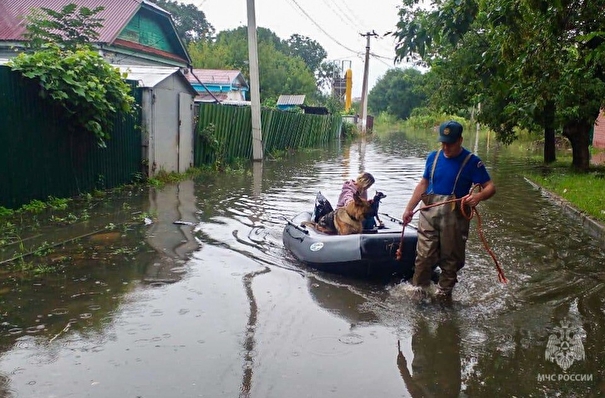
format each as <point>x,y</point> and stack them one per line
<point>449,173</point>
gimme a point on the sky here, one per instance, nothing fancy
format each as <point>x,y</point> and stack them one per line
<point>337,25</point>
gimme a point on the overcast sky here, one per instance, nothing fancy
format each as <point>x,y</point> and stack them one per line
<point>335,24</point>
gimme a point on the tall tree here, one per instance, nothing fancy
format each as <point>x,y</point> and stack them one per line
<point>308,49</point>
<point>529,62</point>
<point>398,92</point>
<point>190,22</point>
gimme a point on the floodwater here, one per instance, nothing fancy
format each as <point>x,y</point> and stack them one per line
<point>215,307</point>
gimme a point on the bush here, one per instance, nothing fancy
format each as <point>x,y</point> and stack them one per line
<point>89,89</point>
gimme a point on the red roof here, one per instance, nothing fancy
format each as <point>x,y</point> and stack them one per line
<point>116,15</point>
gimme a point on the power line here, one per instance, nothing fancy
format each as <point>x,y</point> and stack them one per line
<point>320,28</point>
<point>340,13</point>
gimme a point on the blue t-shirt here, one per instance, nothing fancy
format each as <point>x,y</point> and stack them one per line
<point>474,172</point>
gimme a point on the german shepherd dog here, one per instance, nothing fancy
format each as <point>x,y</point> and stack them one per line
<point>345,220</point>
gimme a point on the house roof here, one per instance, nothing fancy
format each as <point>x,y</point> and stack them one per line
<point>151,76</point>
<point>218,76</point>
<point>291,100</point>
<point>116,15</point>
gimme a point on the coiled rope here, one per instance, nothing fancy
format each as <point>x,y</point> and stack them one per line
<point>501,277</point>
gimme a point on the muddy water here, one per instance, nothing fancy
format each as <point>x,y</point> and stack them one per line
<point>215,307</point>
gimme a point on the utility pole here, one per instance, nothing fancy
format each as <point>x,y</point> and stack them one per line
<point>364,88</point>
<point>257,137</point>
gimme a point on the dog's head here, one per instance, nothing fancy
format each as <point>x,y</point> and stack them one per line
<point>378,197</point>
<point>358,208</point>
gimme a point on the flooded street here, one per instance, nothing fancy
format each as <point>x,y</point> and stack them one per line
<point>214,306</point>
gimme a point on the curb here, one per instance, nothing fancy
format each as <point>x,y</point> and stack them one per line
<point>592,226</point>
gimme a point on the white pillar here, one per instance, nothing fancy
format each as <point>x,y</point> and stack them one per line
<point>257,137</point>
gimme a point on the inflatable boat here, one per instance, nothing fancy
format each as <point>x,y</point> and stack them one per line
<point>369,255</point>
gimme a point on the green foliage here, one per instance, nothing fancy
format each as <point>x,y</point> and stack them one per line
<point>530,64</point>
<point>427,120</point>
<point>69,27</point>
<point>190,22</point>
<point>398,92</point>
<point>349,130</point>
<point>35,206</point>
<point>283,69</point>
<point>325,74</point>
<point>58,203</point>
<point>310,51</point>
<point>4,212</point>
<point>333,104</point>
<point>90,91</point>
<point>212,143</point>
<point>208,137</point>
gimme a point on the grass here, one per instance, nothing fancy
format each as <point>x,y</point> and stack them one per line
<point>585,191</point>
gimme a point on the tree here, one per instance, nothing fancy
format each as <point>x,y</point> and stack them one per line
<point>70,27</point>
<point>209,55</point>
<point>528,62</point>
<point>190,22</point>
<point>280,73</point>
<point>325,75</point>
<point>398,92</point>
<point>311,52</point>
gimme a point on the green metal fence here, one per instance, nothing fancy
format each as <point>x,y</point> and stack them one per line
<point>225,132</point>
<point>39,158</point>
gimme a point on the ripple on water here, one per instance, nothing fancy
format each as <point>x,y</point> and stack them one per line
<point>351,339</point>
<point>178,270</point>
<point>35,329</point>
<point>326,346</point>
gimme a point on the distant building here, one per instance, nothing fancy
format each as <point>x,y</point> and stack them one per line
<point>598,137</point>
<point>226,86</point>
<point>287,102</point>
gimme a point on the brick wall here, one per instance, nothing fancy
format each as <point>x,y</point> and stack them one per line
<point>598,139</point>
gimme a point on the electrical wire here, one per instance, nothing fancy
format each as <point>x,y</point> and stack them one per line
<point>322,29</point>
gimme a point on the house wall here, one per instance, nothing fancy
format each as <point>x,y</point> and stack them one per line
<point>144,29</point>
<point>598,138</point>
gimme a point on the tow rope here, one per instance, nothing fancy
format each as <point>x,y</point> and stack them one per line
<point>501,277</point>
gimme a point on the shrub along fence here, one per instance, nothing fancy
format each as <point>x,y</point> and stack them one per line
<point>39,158</point>
<point>224,133</point>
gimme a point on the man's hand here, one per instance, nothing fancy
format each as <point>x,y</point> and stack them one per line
<point>470,200</point>
<point>407,216</point>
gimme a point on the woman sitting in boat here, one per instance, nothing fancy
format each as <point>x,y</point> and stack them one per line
<point>360,185</point>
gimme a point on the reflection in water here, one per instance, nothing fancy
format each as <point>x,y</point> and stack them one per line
<point>174,242</point>
<point>343,300</point>
<point>257,179</point>
<point>249,341</point>
<point>436,363</point>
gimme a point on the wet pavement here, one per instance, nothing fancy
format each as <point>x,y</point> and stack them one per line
<point>213,306</point>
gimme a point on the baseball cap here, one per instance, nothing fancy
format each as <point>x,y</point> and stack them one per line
<point>450,132</point>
